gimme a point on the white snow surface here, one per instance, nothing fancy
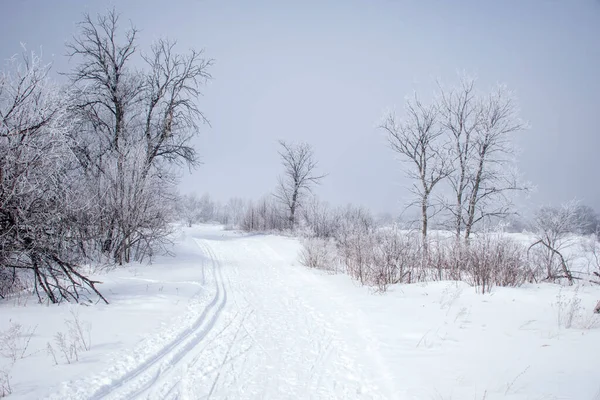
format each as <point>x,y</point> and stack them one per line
<point>234,316</point>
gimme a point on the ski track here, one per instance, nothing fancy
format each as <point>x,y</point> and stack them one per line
<point>192,351</point>
<point>146,375</point>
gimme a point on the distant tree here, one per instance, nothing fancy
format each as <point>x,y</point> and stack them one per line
<point>206,208</point>
<point>263,216</point>
<point>589,222</point>
<point>319,219</point>
<point>232,213</point>
<point>298,179</point>
<point>418,139</point>
<point>189,208</point>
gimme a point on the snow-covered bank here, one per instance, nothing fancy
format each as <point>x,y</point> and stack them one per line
<point>236,316</point>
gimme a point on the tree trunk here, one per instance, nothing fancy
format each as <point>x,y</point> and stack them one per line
<point>424,220</point>
<point>293,208</point>
<point>475,195</point>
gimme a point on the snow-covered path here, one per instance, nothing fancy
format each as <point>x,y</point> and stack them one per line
<point>293,349</point>
<point>260,334</point>
<point>235,316</point>
<point>269,342</point>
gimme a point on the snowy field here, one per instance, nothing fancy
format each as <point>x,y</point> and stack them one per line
<point>235,316</point>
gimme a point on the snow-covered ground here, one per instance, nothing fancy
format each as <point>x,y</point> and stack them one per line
<point>235,316</point>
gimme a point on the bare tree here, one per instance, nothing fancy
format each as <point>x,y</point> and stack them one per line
<point>484,175</point>
<point>233,212</point>
<point>189,209</point>
<point>263,215</point>
<point>170,92</point>
<point>418,139</point>
<point>459,118</point>
<point>495,175</point>
<point>298,179</point>
<point>134,126</point>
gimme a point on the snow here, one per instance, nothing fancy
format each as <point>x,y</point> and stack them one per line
<point>235,316</point>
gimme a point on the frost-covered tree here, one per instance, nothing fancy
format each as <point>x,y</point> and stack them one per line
<point>189,208</point>
<point>135,126</point>
<point>207,208</point>
<point>553,228</point>
<point>589,222</point>
<point>481,128</point>
<point>233,212</point>
<point>38,193</point>
<point>418,139</point>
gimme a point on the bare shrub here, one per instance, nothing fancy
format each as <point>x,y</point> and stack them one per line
<point>445,260</point>
<point>554,227</point>
<point>50,351</point>
<point>354,240</point>
<point>68,347</point>
<point>484,261</point>
<point>356,252</point>
<point>493,260</point>
<point>571,313</point>
<point>319,219</point>
<point>383,256</point>
<point>318,253</point>
<point>592,250</point>
<point>77,338</point>
<point>396,258</point>
<point>380,257</point>
<point>5,388</point>
<point>14,341</point>
<point>80,329</point>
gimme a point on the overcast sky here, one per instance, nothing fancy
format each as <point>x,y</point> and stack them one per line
<point>325,71</point>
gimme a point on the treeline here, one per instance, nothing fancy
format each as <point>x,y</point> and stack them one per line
<point>560,243</point>
<point>88,169</point>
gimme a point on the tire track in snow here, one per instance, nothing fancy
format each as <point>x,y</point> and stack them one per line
<point>174,351</point>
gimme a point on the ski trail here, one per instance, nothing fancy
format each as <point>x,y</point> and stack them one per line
<point>294,352</point>
<point>265,330</point>
<point>148,373</point>
<point>192,349</point>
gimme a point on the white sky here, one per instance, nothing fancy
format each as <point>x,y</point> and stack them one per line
<point>324,72</point>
